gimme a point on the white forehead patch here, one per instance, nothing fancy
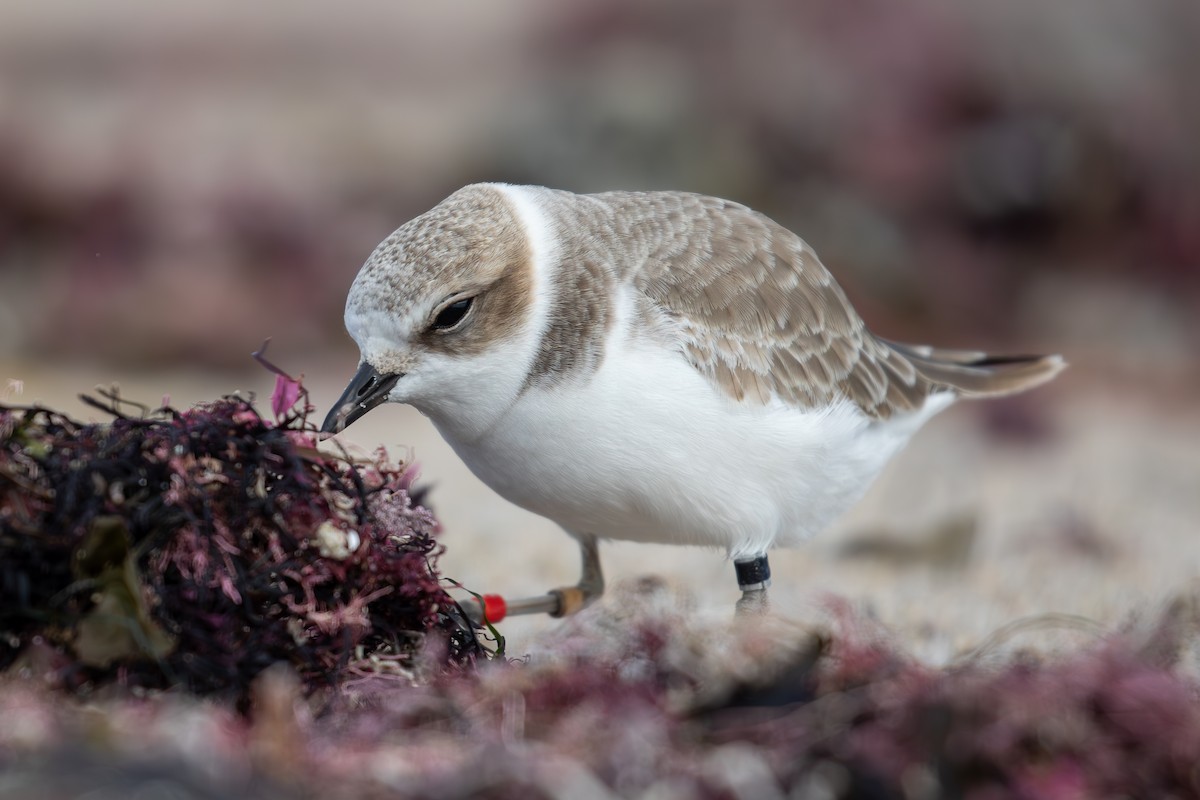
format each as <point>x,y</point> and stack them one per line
<point>378,335</point>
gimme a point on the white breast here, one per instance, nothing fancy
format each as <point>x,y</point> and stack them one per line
<point>647,450</point>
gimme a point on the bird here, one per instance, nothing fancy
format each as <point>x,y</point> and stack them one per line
<point>654,366</point>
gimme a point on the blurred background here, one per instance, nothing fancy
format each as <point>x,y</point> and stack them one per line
<point>179,181</point>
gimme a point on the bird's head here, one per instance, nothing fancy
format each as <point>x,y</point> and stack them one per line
<point>442,312</point>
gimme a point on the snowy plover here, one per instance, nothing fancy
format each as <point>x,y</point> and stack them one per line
<point>657,367</point>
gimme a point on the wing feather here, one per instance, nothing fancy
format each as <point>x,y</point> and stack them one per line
<point>758,313</point>
<point>751,307</point>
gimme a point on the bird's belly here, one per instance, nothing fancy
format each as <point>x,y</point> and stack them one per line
<point>651,452</point>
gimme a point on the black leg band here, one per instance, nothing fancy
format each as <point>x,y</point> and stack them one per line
<point>753,574</point>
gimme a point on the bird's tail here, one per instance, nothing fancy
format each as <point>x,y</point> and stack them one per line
<point>976,374</point>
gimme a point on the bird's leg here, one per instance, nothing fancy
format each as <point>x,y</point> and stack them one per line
<point>754,577</point>
<point>591,583</point>
<point>560,602</point>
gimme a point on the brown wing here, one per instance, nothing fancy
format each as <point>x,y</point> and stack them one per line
<point>760,315</point>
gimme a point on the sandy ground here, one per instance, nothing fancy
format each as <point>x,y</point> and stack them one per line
<point>964,533</point>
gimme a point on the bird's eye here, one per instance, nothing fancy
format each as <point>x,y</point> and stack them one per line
<point>452,314</point>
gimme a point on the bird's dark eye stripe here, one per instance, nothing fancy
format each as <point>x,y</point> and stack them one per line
<point>452,314</point>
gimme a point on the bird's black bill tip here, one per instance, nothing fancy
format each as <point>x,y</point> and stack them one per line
<point>367,389</point>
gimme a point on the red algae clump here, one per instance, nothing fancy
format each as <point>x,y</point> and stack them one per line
<point>196,548</point>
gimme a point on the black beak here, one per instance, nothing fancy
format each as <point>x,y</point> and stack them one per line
<point>367,389</point>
